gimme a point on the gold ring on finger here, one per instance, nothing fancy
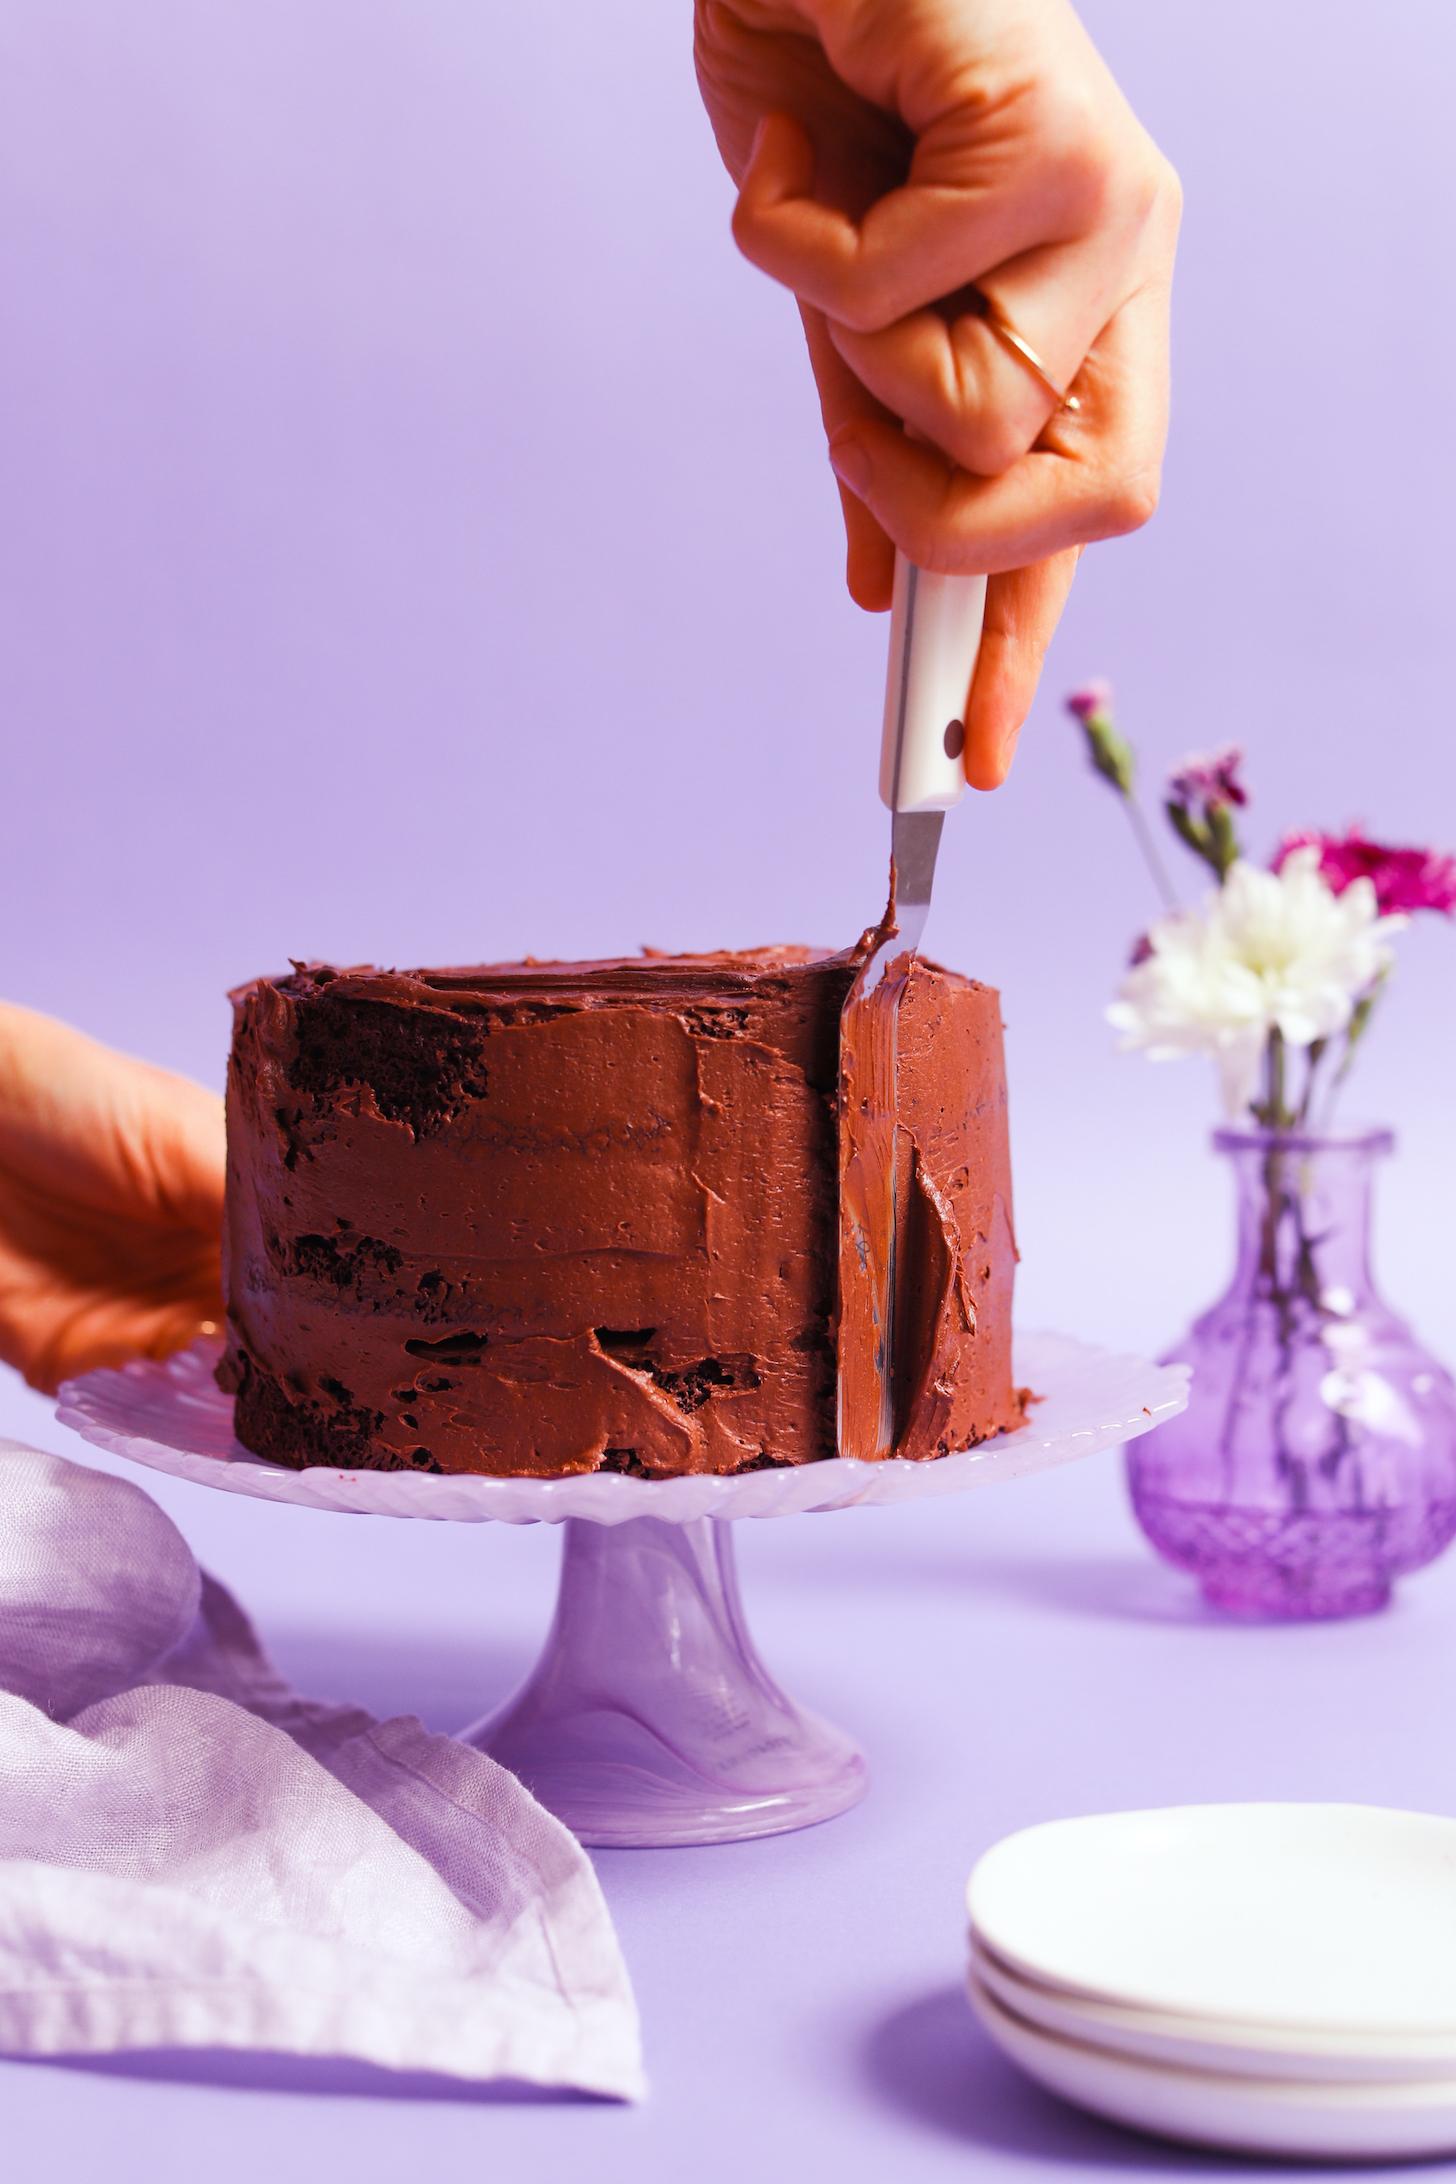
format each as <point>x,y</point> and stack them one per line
<point>1021,348</point>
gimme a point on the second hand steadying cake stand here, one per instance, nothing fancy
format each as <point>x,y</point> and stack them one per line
<point>649,1718</point>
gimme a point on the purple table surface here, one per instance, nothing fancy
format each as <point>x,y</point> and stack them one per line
<point>382,379</point>
<point>1006,1657</point>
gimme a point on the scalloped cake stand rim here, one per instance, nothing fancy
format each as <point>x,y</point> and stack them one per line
<point>171,1416</point>
<point>650,1718</point>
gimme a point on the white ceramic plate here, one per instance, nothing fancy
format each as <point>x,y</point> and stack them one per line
<point>1336,1918</point>
<point>173,1417</point>
<point>1243,2115</point>
<point>1193,2043</point>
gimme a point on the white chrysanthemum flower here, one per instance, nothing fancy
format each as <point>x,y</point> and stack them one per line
<point>1271,951</point>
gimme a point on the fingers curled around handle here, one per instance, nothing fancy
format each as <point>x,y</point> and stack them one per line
<point>1091,475</point>
<point>924,239</point>
<point>964,386</point>
<point>844,403</point>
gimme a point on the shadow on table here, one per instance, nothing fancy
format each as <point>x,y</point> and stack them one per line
<point>1134,1588</point>
<point>931,2061</point>
<point>448,1683</point>
<point>336,2076</point>
<point>1131,1588</point>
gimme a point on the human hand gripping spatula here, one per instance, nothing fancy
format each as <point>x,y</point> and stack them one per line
<point>935,636</point>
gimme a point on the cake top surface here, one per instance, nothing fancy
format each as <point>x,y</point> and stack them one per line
<point>650,974</point>
<point>653,975</point>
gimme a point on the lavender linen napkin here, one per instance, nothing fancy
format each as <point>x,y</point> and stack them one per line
<point>191,1855</point>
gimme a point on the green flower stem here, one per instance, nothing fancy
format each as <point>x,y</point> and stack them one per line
<point>1273,1113</point>
<point>1358,1026</point>
<point>1211,838</point>
<point>1112,758</point>
<point>1314,1057</point>
<point>1143,836</point>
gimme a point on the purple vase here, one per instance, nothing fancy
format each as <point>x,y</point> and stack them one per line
<point>1316,1460</point>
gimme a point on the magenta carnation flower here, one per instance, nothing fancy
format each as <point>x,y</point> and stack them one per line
<point>1403,879</point>
<point>1199,782</point>
<point>1094,700</point>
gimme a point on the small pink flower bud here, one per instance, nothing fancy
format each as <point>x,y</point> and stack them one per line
<point>1094,698</point>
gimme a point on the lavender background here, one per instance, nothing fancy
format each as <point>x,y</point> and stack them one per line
<point>417,546</point>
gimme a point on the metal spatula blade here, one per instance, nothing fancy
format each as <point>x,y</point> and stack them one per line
<point>935,634</point>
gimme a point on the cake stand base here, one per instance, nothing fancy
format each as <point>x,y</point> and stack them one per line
<point>649,1718</point>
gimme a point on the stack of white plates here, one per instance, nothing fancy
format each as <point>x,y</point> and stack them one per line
<point>1271,1978</point>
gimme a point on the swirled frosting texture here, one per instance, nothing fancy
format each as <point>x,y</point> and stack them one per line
<point>547,1218</point>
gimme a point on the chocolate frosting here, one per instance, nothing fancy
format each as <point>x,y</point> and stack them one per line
<point>550,1217</point>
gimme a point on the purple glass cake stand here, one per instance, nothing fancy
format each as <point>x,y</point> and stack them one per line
<point>649,1718</point>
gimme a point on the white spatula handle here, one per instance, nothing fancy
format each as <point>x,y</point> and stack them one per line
<point>935,635</point>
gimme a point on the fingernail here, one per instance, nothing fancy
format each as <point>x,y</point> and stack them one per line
<point>851,463</point>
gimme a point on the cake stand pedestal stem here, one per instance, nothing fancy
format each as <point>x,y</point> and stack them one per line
<point>650,1718</point>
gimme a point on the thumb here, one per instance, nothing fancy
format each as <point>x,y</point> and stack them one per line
<point>1023,608</point>
<point>180,1136</point>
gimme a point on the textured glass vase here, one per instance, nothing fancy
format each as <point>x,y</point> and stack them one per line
<point>1316,1460</point>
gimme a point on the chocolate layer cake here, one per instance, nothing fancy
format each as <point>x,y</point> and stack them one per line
<point>550,1218</point>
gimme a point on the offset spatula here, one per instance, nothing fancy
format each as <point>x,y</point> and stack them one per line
<point>935,635</point>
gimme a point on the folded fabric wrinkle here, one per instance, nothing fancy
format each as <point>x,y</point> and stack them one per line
<point>192,1855</point>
